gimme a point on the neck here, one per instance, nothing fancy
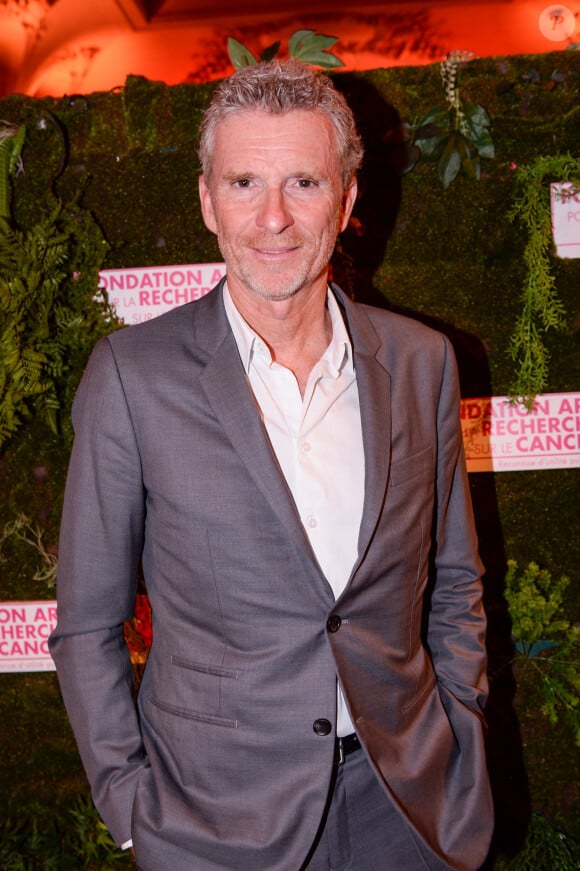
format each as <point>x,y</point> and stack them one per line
<point>297,330</point>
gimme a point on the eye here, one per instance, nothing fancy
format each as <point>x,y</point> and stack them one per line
<point>242,183</point>
<point>306,183</point>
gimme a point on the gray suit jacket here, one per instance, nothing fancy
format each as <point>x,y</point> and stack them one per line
<point>220,767</point>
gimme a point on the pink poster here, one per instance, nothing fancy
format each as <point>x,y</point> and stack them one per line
<point>499,436</point>
<point>144,292</point>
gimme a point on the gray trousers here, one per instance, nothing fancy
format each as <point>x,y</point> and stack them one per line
<point>361,829</point>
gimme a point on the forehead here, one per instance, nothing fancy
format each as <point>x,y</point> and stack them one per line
<point>300,137</point>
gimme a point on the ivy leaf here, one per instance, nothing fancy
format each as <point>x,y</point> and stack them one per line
<point>240,56</point>
<point>311,47</point>
<point>450,162</point>
<point>270,52</point>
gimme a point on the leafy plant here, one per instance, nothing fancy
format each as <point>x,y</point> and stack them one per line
<point>306,45</point>
<point>458,135</point>
<point>49,305</point>
<point>545,849</point>
<point>542,309</point>
<point>71,840</point>
<point>11,143</point>
<point>545,640</point>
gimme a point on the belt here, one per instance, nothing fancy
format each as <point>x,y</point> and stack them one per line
<point>344,747</point>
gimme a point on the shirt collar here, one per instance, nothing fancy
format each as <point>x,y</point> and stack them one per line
<point>337,357</point>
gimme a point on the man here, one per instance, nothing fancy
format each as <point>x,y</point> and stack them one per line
<point>289,467</point>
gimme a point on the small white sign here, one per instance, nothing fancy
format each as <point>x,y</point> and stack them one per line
<point>566,219</point>
<point>501,437</point>
<point>557,22</point>
<point>145,292</point>
<point>24,631</point>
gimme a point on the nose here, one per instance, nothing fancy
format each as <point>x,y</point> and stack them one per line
<point>273,213</point>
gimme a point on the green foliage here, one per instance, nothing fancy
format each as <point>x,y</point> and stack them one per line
<point>313,48</point>
<point>542,309</point>
<point>545,640</point>
<point>546,849</point>
<point>458,135</point>
<point>306,45</point>
<point>11,143</point>
<point>48,310</point>
<point>240,56</point>
<point>77,839</point>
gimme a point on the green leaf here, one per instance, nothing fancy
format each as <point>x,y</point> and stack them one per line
<point>240,56</point>
<point>432,147</point>
<point>437,117</point>
<point>270,52</point>
<point>432,133</point>
<point>484,145</point>
<point>324,59</point>
<point>469,161</point>
<point>475,115</point>
<point>310,47</point>
<point>296,40</point>
<point>302,40</point>
<point>17,146</point>
<point>477,123</point>
<point>450,162</point>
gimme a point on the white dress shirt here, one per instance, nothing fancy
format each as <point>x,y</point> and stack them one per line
<point>317,440</point>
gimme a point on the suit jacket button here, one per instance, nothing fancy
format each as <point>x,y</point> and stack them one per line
<point>322,727</point>
<point>333,623</point>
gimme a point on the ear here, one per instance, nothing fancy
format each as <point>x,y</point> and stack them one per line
<point>348,201</point>
<point>206,205</point>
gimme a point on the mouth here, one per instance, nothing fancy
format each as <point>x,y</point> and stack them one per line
<point>274,250</point>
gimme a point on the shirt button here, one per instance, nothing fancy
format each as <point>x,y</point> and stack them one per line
<point>305,447</point>
<point>322,727</point>
<point>333,623</point>
<point>312,522</point>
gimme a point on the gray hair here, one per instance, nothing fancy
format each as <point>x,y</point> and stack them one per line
<point>278,87</point>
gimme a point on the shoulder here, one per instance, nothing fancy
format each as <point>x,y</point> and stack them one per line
<point>403,327</point>
<point>187,330</point>
<point>372,326</point>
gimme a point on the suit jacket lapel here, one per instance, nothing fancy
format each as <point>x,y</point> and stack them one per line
<point>230,396</point>
<point>374,389</point>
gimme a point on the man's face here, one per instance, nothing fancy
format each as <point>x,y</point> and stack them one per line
<point>276,201</point>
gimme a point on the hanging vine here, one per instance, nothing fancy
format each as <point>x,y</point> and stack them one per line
<point>542,309</point>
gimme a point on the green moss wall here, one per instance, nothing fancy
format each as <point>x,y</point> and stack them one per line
<point>449,257</point>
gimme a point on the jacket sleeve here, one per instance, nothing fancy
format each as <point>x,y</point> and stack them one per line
<point>100,544</point>
<point>456,622</point>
